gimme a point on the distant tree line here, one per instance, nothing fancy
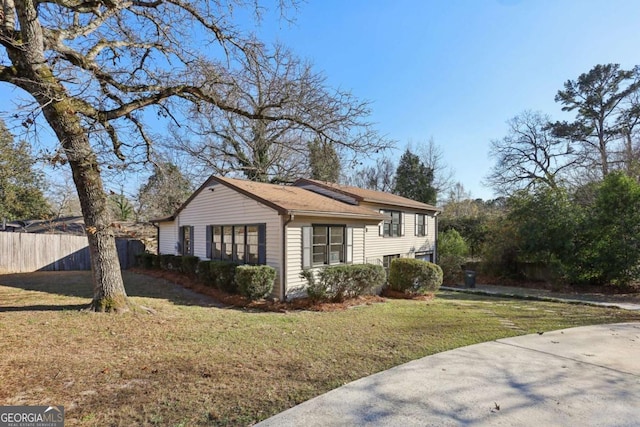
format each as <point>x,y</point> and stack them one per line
<point>569,190</point>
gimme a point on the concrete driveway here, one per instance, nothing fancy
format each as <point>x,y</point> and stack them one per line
<point>587,376</point>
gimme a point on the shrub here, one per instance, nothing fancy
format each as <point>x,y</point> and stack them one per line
<point>255,281</point>
<point>367,278</point>
<point>344,281</point>
<point>316,291</point>
<point>147,260</point>
<point>204,273</point>
<point>170,262</point>
<point>223,275</point>
<point>452,250</point>
<point>414,276</point>
<point>189,265</point>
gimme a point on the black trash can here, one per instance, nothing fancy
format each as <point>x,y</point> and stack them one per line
<point>469,279</point>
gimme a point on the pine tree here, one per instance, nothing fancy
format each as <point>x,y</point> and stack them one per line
<point>324,161</point>
<point>414,179</point>
<point>21,186</point>
<point>164,192</point>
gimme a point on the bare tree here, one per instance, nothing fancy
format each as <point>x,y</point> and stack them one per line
<point>272,83</point>
<point>63,198</point>
<point>530,155</point>
<point>381,176</point>
<point>93,67</point>
<point>432,156</point>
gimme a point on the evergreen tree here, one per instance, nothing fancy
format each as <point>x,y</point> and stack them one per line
<point>164,192</point>
<point>324,161</point>
<point>414,179</point>
<point>21,185</point>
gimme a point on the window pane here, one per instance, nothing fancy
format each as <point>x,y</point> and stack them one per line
<point>217,234</point>
<point>252,235</point>
<point>252,254</point>
<point>238,243</point>
<point>227,238</point>
<point>319,235</point>
<point>320,254</point>
<point>336,254</point>
<point>337,235</point>
<point>217,251</point>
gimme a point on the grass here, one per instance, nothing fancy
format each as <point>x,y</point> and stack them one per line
<point>193,363</point>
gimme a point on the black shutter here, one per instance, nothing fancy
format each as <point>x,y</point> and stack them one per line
<point>191,233</point>
<point>209,253</point>
<point>262,244</point>
<point>180,244</point>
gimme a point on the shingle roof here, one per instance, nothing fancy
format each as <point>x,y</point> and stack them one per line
<point>369,196</point>
<point>286,199</point>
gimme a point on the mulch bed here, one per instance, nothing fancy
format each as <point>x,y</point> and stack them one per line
<point>274,305</point>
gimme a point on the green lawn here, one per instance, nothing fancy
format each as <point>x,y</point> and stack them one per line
<point>192,363</point>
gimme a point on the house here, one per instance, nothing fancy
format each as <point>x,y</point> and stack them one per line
<point>309,224</point>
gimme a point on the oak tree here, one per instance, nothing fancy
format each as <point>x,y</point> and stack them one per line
<point>96,70</point>
<point>272,83</point>
<point>530,156</point>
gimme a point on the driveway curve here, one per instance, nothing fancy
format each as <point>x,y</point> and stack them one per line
<point>586,376</point>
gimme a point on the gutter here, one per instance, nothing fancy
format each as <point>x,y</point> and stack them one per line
<point>283,275</point>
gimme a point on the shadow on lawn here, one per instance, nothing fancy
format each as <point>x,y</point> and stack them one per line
<point>461,296</point>
<point>79,284</point>
<point>71,307</point>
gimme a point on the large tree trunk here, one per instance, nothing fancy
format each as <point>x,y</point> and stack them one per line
<point>108,293</point>
<point>32,73</point>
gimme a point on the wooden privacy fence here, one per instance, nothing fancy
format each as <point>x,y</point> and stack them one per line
<point>26,252</point>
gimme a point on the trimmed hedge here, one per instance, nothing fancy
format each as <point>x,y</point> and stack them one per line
<point>170,262</point>
<point>223,275</point>
<point>189,264</point>
<point>147,260</point>
<point>204,273</point>
<point>414,276</point>
<point>339,282</point>
<point>255,281</point>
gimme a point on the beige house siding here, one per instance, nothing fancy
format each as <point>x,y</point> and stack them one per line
<point>378,246</point>
<point>168,237</point>
<point>227,204</point>
<point>224,206</point>
<point>296,284</point>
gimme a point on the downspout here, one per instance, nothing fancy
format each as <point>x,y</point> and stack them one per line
<point>157,237</point>
<point>283,272</point>
<point>435,237</point>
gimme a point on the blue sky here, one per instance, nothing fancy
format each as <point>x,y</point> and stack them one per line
<point>452,70</point>
<point>456,70</point>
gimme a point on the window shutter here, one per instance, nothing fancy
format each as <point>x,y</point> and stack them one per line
<point>262,244</point>
<point>349,248</point>
<point>381,226</point>
<point>426,225</point>
<point>402,221</point>
<point>416,218</point>
<point>306,246</point>
<point>191,234</point>
<point>180,242</point>
<point>209,254</point>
